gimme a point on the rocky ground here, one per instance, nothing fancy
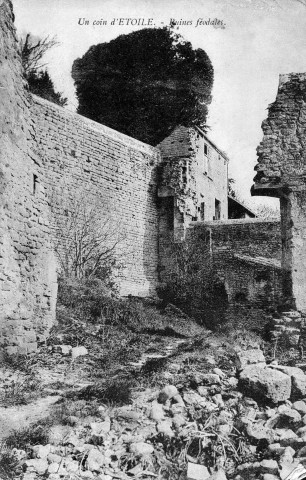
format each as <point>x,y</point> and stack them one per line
<point>189,405</point>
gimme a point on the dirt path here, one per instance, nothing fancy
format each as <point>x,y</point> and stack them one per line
<point>21,416</point>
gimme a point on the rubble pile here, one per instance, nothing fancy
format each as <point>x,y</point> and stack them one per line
<point>244,421</point>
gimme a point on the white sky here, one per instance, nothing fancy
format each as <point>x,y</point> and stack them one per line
<point>261,39</point>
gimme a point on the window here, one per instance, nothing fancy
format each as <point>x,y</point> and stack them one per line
<point>35,183</point>
<point>202,211</point>
<point>205,159</point>
<point>217,209</point>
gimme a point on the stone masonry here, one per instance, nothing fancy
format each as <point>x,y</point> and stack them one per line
<point>281,172</point>
<point>27,263</point>
<point>111,167</point>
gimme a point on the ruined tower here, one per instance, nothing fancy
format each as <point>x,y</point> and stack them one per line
<point>281,172</point>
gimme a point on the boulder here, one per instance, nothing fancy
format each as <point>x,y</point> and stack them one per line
<point>298,380</point>
<point>249,357</point>
<point>264,383</point>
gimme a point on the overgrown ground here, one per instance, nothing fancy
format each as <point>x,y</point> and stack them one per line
<point>135,348</point>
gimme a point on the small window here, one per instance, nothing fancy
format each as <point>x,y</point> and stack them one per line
<point>217,209</point>
<point>205,149</point>
<point>202,211</point>
<point>35,183</point>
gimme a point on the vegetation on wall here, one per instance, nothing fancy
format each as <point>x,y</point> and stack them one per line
<point>192,281</point>
<point>32,51</point>
<point>144,84</point>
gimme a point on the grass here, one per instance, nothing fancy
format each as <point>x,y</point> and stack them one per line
<point>36,434</point>
<point>112,393</point>
<point>20,391</point>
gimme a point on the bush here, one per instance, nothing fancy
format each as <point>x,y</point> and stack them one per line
<point>9,465</point>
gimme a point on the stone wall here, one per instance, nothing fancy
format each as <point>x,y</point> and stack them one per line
<point>78,153</point>
<point>27,264</point>
<point>281,172</point>
<point>241,256</point>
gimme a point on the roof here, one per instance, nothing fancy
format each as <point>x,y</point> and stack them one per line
<point>242,206</point>
<point>263,261</point>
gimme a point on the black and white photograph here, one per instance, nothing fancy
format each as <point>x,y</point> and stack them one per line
<point>153,240</point>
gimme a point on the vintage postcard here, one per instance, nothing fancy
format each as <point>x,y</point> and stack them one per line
<point>152,239</point>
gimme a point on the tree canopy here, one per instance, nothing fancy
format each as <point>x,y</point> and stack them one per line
<point>144,84</point>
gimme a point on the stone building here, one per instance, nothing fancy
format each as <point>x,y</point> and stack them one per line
<point>194,180</point>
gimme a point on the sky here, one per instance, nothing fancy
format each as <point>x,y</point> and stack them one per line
<point>253,42</point>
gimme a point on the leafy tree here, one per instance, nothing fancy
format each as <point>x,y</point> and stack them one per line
<point>267,211</point>
<point>231,188</point>
<point>144,84</point>
<point>41,84</point>
<point>32,51</point>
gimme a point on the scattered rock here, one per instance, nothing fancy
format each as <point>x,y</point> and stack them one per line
<point>269,466</point>
<point>167,393</point>
<point>197,472</point>
<point>78,352</point>
<point>63,349</point>
<point>259,432</point>
<point>249,357</point>
<point>300,406</point>
<point>165,428</point>
<point>219,475</point>
<point>95,460</point>
<point>141,448</point>
<point>99,428</point>
<point>157,412</point>
<point>38,465</point>
<point>41,451</point>
<point>129,414</point>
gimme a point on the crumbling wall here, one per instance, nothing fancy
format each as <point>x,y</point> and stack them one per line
<point>281,172</point>
<point>236,262</point>
<point>27,264</point>
<point>121,172</point>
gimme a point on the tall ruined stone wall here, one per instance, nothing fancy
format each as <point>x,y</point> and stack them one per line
<point>241,255</point>
<point>27,265</point>
<point>121,172</point>
<point>281,172</point>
